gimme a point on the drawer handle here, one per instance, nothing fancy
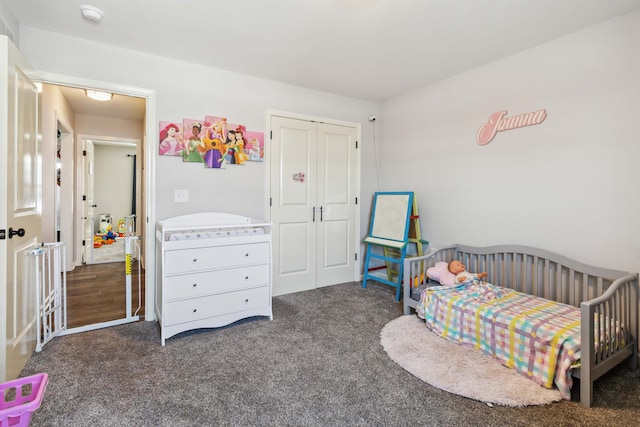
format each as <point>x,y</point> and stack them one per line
<point>246,301</point>
<point>195,309</point>
<point>195,284</point>
<point>246,277</point>
<point>247,254</point>
<point>195,260</point>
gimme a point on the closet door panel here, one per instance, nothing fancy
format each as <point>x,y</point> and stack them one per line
<point>336,194</point>
<point>294,255</point>
<point>293,198</point>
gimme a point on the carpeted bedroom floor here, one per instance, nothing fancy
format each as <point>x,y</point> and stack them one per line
<point>318,363</point>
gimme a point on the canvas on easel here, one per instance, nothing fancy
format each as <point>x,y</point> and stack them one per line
<point>390,220</point>
<point>390,213</point>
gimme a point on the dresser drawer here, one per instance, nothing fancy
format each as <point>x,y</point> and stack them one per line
<point>215,305</point>
<point>216,281</point>
<point>198,259</point>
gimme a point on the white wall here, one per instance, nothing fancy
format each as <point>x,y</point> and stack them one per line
<point>8,24</point>
<point>569,185</point>
<point>108,126</point>
<point>185,90</point>
<point>113,181</point>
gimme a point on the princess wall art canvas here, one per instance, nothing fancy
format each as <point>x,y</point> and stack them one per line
<point>194,145</point>
<point>171,141</point>
<point>215,130</point>
<point>255,146</point>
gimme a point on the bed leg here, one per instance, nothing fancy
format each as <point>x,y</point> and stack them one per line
<point>407,309</point>
<point>633,359</point>
<point>586,392</point>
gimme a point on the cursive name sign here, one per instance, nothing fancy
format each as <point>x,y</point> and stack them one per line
<point>498,122</point>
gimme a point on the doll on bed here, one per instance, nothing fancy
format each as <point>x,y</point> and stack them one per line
<point>453,276</point>
<point>452,273</point>
<point>462,275</point>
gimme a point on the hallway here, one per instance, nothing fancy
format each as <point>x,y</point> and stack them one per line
<point>96,293</point>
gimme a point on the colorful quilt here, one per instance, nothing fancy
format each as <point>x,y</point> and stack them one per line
<point>537,337</point>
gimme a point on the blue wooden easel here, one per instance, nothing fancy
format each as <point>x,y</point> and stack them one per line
<point>389,229</point>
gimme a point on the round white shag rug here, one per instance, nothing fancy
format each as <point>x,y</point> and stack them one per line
<point>457,369</point>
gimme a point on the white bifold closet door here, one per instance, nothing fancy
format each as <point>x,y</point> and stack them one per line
<point>314,208</point>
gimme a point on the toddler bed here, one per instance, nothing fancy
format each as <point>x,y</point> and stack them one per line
<point>600,306</point>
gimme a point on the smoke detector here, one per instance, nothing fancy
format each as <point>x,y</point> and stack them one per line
<point>91,14</point>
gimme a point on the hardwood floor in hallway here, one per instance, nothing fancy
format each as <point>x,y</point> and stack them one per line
<point>96,293</point>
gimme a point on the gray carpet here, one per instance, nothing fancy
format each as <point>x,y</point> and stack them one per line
<point>318,363</point>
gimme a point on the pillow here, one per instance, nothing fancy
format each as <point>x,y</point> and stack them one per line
<point>441,273</point>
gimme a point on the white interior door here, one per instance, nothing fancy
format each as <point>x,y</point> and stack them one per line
<point>293,210</point>
<point>20,216</point>
<point>89,206</point>
<point>313,204</point>
<point>336,195</point>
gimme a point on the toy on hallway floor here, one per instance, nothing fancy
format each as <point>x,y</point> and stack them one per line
<point>122,227</point>
<point>106,238</point>
<point>109,236</point>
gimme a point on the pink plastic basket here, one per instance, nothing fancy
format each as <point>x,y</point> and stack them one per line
<point>19,400</point>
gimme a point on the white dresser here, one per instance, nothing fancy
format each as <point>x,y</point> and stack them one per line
<point>213,269</point>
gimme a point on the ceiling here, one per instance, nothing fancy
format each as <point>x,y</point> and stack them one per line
<point>121,107</point>
<point>367,49</point>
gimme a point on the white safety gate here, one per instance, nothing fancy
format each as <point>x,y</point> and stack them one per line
<point>132,251</point>
<point>51,291</point>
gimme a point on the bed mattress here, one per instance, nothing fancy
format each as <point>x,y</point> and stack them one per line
<point>537,337</point>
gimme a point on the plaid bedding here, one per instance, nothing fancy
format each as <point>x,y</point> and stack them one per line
<point>537,337</point>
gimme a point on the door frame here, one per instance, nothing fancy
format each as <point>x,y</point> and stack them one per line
<point>150,148</point>
<point>80,183</point>
<point>267,159</point>
<point>67,187</point>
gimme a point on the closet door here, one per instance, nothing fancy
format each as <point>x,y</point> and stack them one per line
<point>313,209</point>
<point>293,198</point>
<point>336,195</point>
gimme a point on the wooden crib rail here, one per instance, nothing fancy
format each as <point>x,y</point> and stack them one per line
<point>415,272</point>
<point>613,337</point>
<point>539,272</point>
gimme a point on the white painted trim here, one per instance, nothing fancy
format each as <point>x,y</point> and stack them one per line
<point>99,325</point>
<point>69,260</point>
<point>79,170</point>
<point>73,81</point>
<point>267,159</point>
<point>150,143</point>
<point>307,117</point>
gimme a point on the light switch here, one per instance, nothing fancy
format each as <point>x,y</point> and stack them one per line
<point>181,196</point>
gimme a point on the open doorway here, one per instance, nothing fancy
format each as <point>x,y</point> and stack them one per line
<point>112,293</point>
<point>111,197</point>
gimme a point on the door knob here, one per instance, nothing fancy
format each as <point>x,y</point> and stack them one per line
<point>20,232</point>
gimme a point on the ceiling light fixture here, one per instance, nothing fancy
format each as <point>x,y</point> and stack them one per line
<point>92,14</point>
<point>98,95</point>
